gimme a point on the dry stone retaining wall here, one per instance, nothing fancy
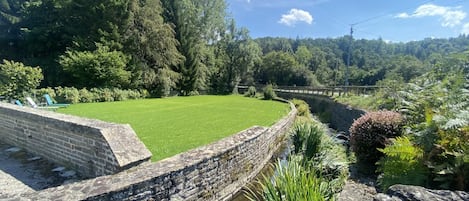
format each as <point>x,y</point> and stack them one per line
<point>339,116</point>
<point>212,172</point>
<point>91,147</point>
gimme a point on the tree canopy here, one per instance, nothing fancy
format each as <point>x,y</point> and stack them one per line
<point>189,46</point>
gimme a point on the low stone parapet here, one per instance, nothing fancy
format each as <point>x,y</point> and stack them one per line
<point>91,147</point>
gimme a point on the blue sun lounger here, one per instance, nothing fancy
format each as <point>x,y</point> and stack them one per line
<point>34,105</point>
<point>52,104</point>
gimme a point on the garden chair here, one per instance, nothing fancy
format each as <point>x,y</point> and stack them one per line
<point>51,103</point>
<point>18,102</point>
<point>34,105</point>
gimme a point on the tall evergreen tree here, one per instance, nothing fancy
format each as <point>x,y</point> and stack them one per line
<point>153,47</point>
<point>197,23</point>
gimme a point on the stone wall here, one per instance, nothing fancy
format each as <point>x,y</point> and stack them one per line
<point>91,147</point>
<point>212,172</point>
<point>339,116</point>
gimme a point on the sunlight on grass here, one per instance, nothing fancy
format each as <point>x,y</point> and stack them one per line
<point>173,125</point>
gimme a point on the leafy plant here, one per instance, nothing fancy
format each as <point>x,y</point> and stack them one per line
<point>372,131</point>
<point>316,170</point>
<point>251,92</point>
<point>100,68</point>
<point>67,95</point>
<point>302,107</point>
<point>269,92</point>
<point>16,79</point>
<point>402,164</point>
<point>293,182</point>
<point>436,109</point>
<point>306,139</point>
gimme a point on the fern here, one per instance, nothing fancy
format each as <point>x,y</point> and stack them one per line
<point>402,164</point>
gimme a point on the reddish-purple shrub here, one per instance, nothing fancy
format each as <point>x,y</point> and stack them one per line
<point>372,131</point>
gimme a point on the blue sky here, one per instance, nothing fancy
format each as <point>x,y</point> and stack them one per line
<point>392,20</point>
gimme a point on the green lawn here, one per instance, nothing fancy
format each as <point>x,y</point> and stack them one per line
<point>173,125</point>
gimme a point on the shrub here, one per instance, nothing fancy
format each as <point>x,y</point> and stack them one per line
<point>302,107</point>
<point>269,92</point>
<point>251,92</point>
<point>102,67</point>
<point>43,91</point>
<point>119,94</point>
<point>292,182</point>
<point>306,139</point>
<point>372,131</point>
<point>73,95</point>
<point>316,170</point>
<point>106,95</point>
<point>67,95</point>
<point>402,164</point>
<point>86,96</point>
<point>17,79</point>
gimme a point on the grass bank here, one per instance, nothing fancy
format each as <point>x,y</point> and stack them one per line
<point>173,125</point>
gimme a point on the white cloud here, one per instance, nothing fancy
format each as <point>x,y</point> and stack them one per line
<point>295,16</point>
<point>465,29</point>
<point>449,16</point>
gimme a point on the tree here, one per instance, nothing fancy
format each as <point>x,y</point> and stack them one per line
<point>303,56</point>
<point>50,27</point>
<point>240,55</point>
<point>282,69</point>
<point>17,79</point>
<point>197,23</point>
<point>152,44</point>
<point>10,18</point>
<point>100,68</point>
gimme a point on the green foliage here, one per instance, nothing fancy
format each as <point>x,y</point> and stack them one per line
<point>86,96</point>
<point>237,54</point>
<point>269,92</point>
<point>315,158</point>
<point>67,95</point>
<point>306,139</point>
<point>436,109</point>
<point>251,92</point>
<point>402,164</point>
<point>197,23</point>
<point>302,107</point>
<point>152,44</point>
<point>293,182</point>
<point>100,68</point>
<point>16,79</point>
<point>73,95</point>
<point>282,68</point>
<point>372,131</point>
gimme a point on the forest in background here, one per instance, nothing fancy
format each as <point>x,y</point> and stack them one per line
<point>189,46</point>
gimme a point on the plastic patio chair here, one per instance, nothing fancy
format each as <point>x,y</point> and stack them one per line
<point>34,105</point>
<point>51,103</point>
<point>18,102</point>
